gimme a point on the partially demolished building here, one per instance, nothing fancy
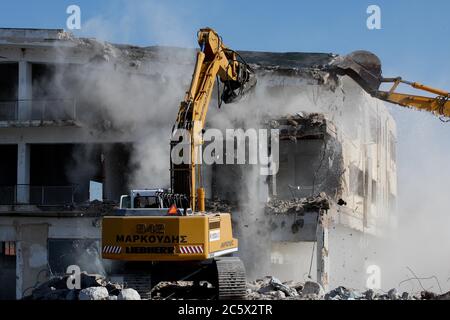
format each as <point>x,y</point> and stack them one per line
<point>335,190</point>
<point>76,110</point>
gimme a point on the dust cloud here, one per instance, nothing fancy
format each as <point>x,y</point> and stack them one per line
<point>420,245</point>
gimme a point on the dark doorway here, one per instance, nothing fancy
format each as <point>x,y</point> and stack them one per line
<point>8,173</point>
<point>8,91</point>
<point>8,270</point>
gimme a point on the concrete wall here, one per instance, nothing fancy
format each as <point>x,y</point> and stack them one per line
<point>32,234</point>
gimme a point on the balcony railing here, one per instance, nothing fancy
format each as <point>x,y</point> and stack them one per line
<point>38,110</point>
<point>9,110</point>
<point>37,195</point>
<point>56,109</point>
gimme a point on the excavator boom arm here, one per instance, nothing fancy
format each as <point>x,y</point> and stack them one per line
<point>214,60</point>
<point>439,105</point>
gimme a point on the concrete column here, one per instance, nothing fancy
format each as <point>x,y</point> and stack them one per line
<point>32,257</point>
<point>24,91</point>
<point>323,266</point>
<point>19,270</point>
<point>23,173</point>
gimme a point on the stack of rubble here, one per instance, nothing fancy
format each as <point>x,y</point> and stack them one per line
<point>271,288</point>
<point>96,287</point>
<point>218,205</point>
<point>96,207</point>
<point>300,125</point>
<point>183,290</point>
<point>298,206</point>
<point>92,287</point>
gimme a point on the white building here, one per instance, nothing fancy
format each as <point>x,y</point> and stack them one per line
<point>78,110</point>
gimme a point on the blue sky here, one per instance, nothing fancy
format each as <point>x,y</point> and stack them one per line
<point>413,42</point>
<point>413,39</point>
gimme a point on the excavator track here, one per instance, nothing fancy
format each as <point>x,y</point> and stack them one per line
<point>231,278</point>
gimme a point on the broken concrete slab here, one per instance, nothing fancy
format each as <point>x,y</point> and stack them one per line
<point>57,288</point>
<point>94,293</point>
<point>128,294</point>
<point>313,288</point>
<point>298,206</point>
<point>290,292</point>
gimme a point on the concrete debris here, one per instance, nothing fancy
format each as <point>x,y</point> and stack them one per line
<point>279,295</point>
<point>268,288</point>
<point>97,207</point>
<point>298,206</point>
<point>300,126</point>
<point>342,293</point>
<point>92,287</point>
<point>264,289</point>
<point>166,290</point>
<point>277,284</point>
<point>393,294</point>
<point>96,287</point>
<point>128,294</point>
<point>94,293</point>
<point>369,294</point>
<point>299,119</point>
<point>312,288</point>
<point>219,206</point>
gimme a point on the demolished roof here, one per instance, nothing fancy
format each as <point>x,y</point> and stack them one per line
<point>42,37</point>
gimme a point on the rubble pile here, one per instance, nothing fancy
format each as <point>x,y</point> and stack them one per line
<point>270,288</point>
<point>92,287</point>
<point>96,207</point>
<point>298,206</point>
<point>182,290</point>
<point>96,287</point>
<point>219,206</point>
<point>300,125</point>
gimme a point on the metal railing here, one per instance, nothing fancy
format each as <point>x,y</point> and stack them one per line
<point>9,110</point>
<point>55,109</point>
<point>38,109</point>
<point>37,195</point>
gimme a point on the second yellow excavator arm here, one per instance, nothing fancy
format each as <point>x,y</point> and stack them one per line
<point>365,68</point>
<point>438,105</point>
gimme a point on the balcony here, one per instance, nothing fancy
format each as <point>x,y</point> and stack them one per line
<point>9,111</point>
<point>37,195</point>
<point>36,112</point>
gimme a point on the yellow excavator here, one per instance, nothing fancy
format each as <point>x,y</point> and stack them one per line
<point>167,234</point>
<point>365,68</point>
